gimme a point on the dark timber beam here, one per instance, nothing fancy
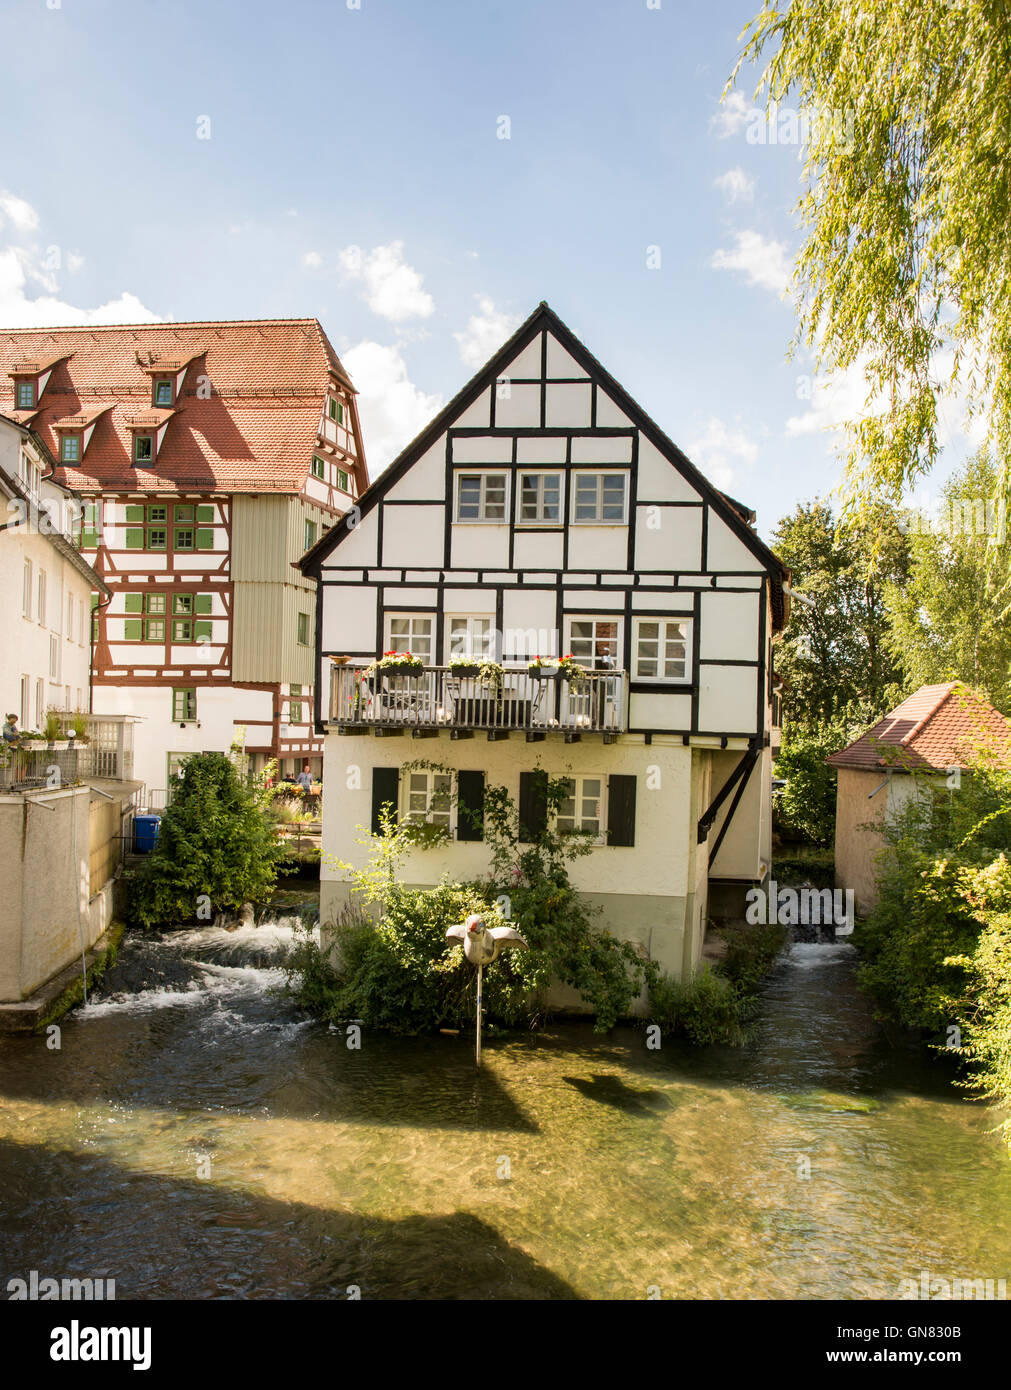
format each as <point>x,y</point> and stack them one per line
<point>747,762</point>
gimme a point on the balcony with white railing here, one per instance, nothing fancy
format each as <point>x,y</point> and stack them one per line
<point>367,701</point>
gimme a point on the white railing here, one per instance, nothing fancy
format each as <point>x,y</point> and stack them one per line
<point>436,698</point>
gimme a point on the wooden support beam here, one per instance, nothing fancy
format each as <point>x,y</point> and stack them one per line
<point>494,735</point>
<point>535,738</point>
<point>461,733</point>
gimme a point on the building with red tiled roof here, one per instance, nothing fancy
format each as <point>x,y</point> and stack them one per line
<point>208,457</point>
<point>938,729</point>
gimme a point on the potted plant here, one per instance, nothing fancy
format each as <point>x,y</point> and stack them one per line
<point>569,669</point>
<point>466,667</point>
<point>397,664</point>
<point>52,729</point>
<point>543,668</point>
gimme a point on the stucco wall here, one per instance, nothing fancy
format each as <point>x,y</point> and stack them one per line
<point>649,892</point>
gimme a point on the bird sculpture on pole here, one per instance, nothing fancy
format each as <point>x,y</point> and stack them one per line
<point>482,945</point>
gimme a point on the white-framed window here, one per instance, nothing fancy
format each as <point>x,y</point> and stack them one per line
<point>540,499</point>
<point>599,498</point>
<point>662,649</point>
<point>40,702</point>
<point>428,798</point>
<point>26,591</point>
<point>582,808</point>
<point>26,696</point>
<point>40,606</point>
<point>70,618</point>
<point>54,657</point>
<point>595,642</point>
<point>30,472</point>
<point>411,632</point>
<point>470,634</point>
<point>482,497</point>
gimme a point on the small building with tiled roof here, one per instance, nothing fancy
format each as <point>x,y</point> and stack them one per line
<point>937,730</point>
<point>208,457</point>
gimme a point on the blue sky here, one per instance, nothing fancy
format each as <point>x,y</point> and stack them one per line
<point>242,159</point>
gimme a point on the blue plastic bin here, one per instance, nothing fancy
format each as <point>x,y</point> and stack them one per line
<point>145,833</point>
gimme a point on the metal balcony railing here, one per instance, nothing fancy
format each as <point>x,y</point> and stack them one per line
<point>437,698</point>
<point>104,751</point>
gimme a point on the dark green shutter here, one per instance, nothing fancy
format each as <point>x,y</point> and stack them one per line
<point>135,538</point>
<point>385,781</point>
<point>134,514</point>
<point>134,603</point>
<point>205,540</point>
<point>133,630</point>
<point>205,603</point>
<point>202,631</point>
<point>205,513</point>
<point>470,806</point>
<point>620,810</point>
<point>533,808</point>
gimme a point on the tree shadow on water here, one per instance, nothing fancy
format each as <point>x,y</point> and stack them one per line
<point>72,1215</point>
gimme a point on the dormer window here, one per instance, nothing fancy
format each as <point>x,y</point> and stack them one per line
<point>70,448</point>
<point>143,448</point>
<point>26,395</point>
<point>163,392</point>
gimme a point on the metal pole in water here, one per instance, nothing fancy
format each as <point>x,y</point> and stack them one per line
<point>478,1044</point>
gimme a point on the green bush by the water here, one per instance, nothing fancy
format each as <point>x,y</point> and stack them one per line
<point>216,848</point>
<point>401,974</point>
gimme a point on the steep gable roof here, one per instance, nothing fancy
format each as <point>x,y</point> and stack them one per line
<point>734,513</point>
<point>936,728</point>
<point>255,432</point>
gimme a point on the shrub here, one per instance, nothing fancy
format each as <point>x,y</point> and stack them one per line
<point>716,1004</point>
<point>215,840</point>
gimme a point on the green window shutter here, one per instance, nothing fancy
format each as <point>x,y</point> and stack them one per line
<point>135,538</point>
<point>533,807</point>
<point>385,781</point>
<point>205,513</point>
<point>470,805</point>
<point>133,630</point>
<point>620,810</point>
<point>134,514</point>
<point>205,603</point>
<point>205,540</point>
<point>202,630</point>
<point>134,603</point>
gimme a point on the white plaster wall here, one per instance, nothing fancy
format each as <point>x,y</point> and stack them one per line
<point>669,538</point>
<point>728,699</point>
<point>725,551</point>
<point>478,547</point>
<point>425,480</point>
<point>411,536</point>
<point>598,547</point>
<point>728,626</point>
<point>538,550</point>
<point>349,619</point>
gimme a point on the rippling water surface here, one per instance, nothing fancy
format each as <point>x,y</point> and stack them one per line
<point>195,1137</point>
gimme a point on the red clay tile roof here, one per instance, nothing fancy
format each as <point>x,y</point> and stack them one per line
<point>80,419</point>
<point>255,433</point>
<point>937,728</point>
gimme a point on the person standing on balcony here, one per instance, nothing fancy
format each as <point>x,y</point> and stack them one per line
<point>10,730</point>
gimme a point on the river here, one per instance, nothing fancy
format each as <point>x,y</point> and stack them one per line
<point>195,1137</point>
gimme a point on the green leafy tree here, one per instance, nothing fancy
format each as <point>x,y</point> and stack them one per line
<point>951,618</point>
<point>215,843</point>
<point>835,650</point>
<point>905,207</point>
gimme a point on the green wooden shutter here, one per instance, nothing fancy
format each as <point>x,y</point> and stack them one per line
<point>470,805</point>
<point>205,540</point>
<point>134,513</point>
<point>135,538</point>
<point>205,603</point>
<point>620,810</point>
<point>133,630</point>
<point>205,513</point>
<point>385,782</point>
<point>202,631</point>
<point>533,807</point>
<point>134,603</point>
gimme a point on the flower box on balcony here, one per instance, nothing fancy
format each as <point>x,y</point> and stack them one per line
<point>396,664</point>
<point>465,670</point>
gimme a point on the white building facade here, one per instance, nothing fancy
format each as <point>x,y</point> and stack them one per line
<point>542,513</point>
<point>45,630</point>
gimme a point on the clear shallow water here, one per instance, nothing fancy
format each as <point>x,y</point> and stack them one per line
<point>196,1138</point>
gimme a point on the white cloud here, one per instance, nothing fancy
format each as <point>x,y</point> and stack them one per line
<point>716,448</point>
<point>16,211</point>
<point>393,410</point>
<point>485,333</point>
<point>393,289</point>
<point>763,262</point>
<point>24,265</point>
<point>736,186</point>
<point>732,114</point>
<point>312,259</point>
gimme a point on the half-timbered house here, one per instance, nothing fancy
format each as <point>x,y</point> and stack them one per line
<point>544,513</point>
<point>209,457</point>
